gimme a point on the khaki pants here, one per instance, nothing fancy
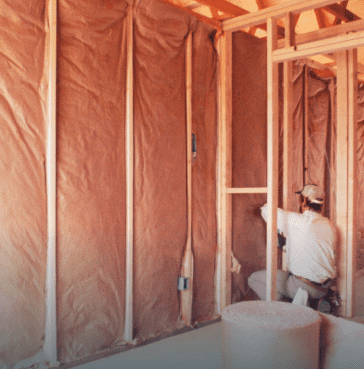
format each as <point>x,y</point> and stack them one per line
<point>287,285</point>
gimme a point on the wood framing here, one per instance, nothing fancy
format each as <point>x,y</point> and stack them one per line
<point>247,190</point>
<point>272,160</point>
<point>341,12</point>
<point>213,22</point>
<point>326,32</point>
<point>186,296</point>
<point>346,176</point>
<point>223,258</point>
<point>277,11</point>
<point>305,134</point>
<point>50,341</point>
<point>287,123</point>
<point>325,46</point>
<point>287,118</point>
<point>352,182</point>
<point>129,157</point>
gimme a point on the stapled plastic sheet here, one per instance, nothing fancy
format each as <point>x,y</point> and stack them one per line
<point>249,155</point>
<point>23,219</point>
<point>204,234</point>
<point>90,176</point>
<point>160,222</point>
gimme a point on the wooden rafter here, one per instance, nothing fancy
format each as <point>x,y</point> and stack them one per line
<point>224,6</point>
<point>277,11</point>
<point>320,18</point>
<point>252,30</point>
<point>340,11</point>
<point>214,12</point>
<point>230,9</point>
<point>337,19</point>
<point>213,22</point>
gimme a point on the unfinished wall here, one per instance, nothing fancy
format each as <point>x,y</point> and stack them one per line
<point>204,125</point>
<point>90,176</point>
<point>23,235</point>
<point>249,155</point>
<point>160,165</point>
<point>311,148</point>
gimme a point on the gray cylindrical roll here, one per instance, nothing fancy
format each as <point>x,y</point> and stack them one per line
<point>263,335</point>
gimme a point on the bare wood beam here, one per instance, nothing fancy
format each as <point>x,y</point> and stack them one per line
<point>277,11</point>
<point>214,12</point>
<point>320,18</point>
<point>129,150</point>
<point>50,339</point>
<point>290,30</point>
<point>287,122</point>
<point>252,30</point>
<point>272,160</point>
<point>224,6</point>
<point>354,26</point>
<point>341,12</point>
<point>352,181</point>
<point>223,258</point>
<point>186,296</point>
<point>333,44</point>
<point>246,190</point>
<point>342,173</point>
<point>213,22</point>
<point>337,19</point>
<point>193,6</point>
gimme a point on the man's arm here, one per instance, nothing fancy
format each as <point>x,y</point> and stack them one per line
<point>281,217</point>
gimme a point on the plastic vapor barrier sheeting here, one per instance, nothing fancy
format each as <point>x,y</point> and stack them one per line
<point>249,156</point>
<point>204,126</point>
<point>23,218</point>
<point>90,176</point>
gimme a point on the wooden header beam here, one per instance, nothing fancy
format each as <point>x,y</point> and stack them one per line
<point>277,11</point>
<point>326,33</point>
<point>246,190</point>
<point>334,44</point>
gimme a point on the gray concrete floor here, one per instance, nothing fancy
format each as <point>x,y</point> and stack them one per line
<point>196,349</point>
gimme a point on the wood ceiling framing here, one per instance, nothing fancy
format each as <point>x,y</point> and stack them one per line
<point>214,12</point>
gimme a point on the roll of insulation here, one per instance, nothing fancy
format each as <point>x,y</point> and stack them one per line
<point>263,335</point>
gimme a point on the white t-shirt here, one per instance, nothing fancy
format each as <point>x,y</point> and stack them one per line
<point>310,243</point>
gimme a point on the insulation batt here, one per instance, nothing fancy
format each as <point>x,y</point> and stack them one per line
<point>261,334</point>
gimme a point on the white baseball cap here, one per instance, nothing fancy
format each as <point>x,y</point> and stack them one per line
<point>314,193</point>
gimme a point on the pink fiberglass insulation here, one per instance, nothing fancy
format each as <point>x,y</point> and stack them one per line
<point>90,176</point>
<point>23,219</point>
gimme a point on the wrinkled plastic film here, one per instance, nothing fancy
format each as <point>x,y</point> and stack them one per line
<point>23,218</point>
<point>90,176</point>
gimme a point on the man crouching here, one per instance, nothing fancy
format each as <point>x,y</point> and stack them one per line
<point>310,249</point>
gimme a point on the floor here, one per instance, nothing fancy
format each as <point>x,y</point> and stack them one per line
<point>199,348</point>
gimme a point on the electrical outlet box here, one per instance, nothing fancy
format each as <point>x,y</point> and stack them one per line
<point>182,284</point>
